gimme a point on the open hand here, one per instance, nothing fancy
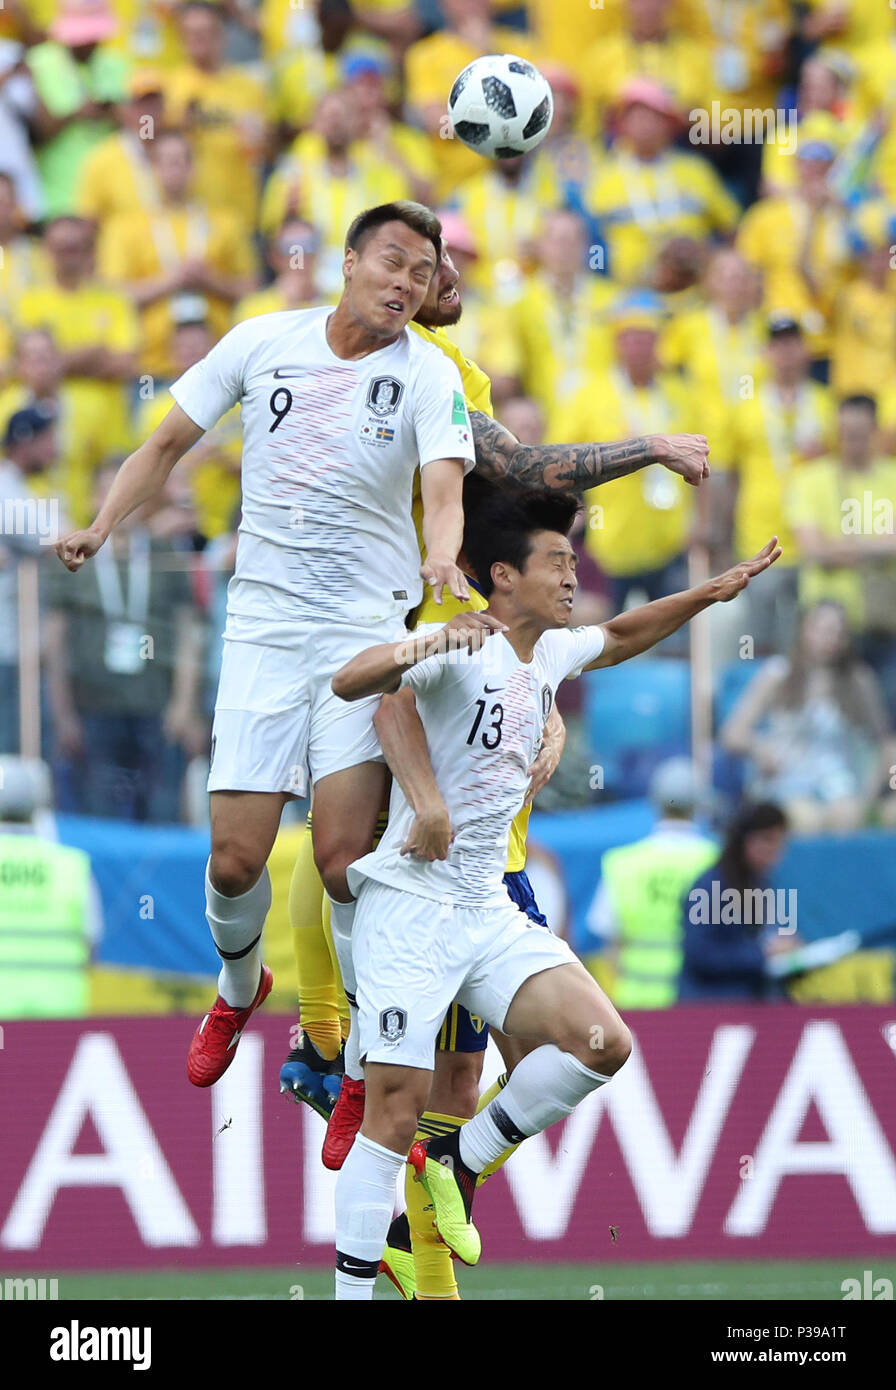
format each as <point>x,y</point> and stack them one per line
<point>728,585</point>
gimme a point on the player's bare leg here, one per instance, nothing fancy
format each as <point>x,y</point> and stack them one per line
<point>346,806</point>
<point>583,1041</point>
<point>365,1189</point>
<point>238,896</point>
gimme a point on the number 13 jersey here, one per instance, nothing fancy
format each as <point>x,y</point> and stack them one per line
<point>484,714</point>
<point>330,448</point>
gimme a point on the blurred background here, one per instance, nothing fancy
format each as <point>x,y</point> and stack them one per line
<point>704,242</point>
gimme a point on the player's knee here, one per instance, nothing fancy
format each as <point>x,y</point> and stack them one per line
<point>603,1048</point>
<point>332,858</point>
<point>234,867</point>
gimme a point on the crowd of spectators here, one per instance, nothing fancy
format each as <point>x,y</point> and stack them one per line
<point>168,169</point>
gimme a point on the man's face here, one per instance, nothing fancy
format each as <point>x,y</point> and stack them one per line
<point>636,350</point>
<point>387,279</point>
<point>38,362</point>
<point>442,305</point>
<point>649,132</point>
<point>544,589</point>
<point>70,247</point>
<point>561,247</point>
<point>856,431</point>
<point>203,37</point>
<point>173,166</point>
<point>787,353</point>
<point>38,454</point>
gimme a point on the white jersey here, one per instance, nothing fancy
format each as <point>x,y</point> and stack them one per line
<point>330,449</point>
<point>484,715</point>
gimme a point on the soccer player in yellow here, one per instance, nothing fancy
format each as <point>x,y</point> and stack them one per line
<point>311,1072</point>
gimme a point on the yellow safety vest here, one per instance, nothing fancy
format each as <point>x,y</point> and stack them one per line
<point>646,882</point>
<point>44,950</point>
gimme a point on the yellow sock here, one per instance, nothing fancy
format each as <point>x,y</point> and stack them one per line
<point>433,1264</point>
<point>494,1089</point>
<point>319,997</point>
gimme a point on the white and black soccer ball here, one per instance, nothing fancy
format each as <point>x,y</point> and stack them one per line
<point>501,106</point>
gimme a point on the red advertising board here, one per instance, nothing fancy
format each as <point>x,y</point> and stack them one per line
<point>730,1133</point>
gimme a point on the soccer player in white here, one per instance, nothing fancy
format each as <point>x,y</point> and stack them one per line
<point>427,929</point>
<point>340,407</point>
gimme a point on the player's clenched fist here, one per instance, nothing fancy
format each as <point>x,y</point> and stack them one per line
<point>470,630</point>
<point>726,586</point>
<point>74,549</point>
<point>684,454</point>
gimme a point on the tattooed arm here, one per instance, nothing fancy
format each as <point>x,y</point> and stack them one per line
<point>577,467</point>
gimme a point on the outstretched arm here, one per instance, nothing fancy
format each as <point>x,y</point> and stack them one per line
<point>577,467</point>
<point>140,477</point>
<point>638,629</point>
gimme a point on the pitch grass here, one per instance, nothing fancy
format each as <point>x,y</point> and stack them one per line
<point>760,1281</point>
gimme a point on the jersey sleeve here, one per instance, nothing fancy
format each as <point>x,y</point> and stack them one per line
<point>441,420</point>
<point>582,645</point>
<point>213,386</point>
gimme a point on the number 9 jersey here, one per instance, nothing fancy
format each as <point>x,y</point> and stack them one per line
<point>330,450</point>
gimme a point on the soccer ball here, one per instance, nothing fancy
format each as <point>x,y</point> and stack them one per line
<point>501,106</point>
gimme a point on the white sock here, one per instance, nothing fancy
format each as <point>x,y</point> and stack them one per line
<point>543,1088</point>
<point>342,915</point>
<point>236,925</point>
<point>365,1200</point>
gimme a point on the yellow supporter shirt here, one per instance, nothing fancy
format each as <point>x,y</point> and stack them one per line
<point>863,23</point>
<point>639,522</point>
<point>826,495</point>
<point>640,204</point>
<point>722,360</point>
<point>116,178</point>
<point>430,67</point>
<point>302,185</point>
<point>269,301</point>
<point>766,443</point>
<point>92,314</point>
<point>225,113</point>
<point>23,264</point>
<point>213,464</point>
<point>141,246</point>
<point>562,344</point>
<point>81,431</point>
<point>147,32</point>
<point>680,62</point>
<point>504,220</point>
<point>771,237</point>
<point>863,351</point>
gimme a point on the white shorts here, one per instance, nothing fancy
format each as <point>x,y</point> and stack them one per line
<point>414,956</point>
<point>277,722</point>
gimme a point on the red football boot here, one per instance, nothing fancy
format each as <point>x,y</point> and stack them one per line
<point>345,1121</point>
<point>214,1043</point>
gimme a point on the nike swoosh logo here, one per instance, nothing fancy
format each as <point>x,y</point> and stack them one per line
<point>235,1039</point>
<point>287,373</point>
<point>492,689</point>
<point>351,1266</point>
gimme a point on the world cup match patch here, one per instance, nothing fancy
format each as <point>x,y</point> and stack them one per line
<point>393,1024</point>
<point>458,410</point>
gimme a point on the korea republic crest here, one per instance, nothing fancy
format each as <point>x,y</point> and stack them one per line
<point>383,395</point>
